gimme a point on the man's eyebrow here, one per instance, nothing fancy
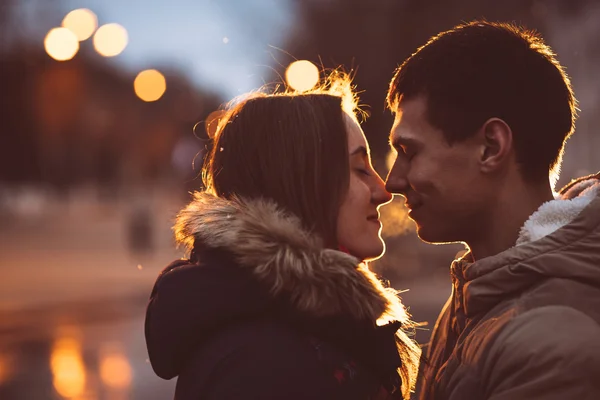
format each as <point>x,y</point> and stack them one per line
<point>362,150</point>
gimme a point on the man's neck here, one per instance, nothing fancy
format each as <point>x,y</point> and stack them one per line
<point>507,219</point>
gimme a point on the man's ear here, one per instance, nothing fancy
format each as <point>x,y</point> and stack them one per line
<point>496,144</point>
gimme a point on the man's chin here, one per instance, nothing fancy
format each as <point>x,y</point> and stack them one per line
<point>432,236</point>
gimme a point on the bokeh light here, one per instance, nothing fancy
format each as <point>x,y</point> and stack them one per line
<point>61,44</point>
<point>6,367</point>
<point>150,85</point>
<point>302,75</point>
<point>115,369</point>
<point>82,22</point>
<point>67,367</point>
<point>110,40</point>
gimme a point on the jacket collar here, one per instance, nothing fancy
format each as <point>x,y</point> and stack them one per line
<point>559,212</point>
<point>571,221</point>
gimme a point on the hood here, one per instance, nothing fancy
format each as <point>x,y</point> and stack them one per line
<point>273,258</point>
<point>191,301</point>
<point>561,240</point>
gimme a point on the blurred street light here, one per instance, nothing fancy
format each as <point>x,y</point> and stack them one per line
<point>115,369</point>
<point>66,363</point>
<point>110,40</point>
<point>82,22</point>
<point>61,44</point>
<point>302,75</point>
<point>6,367</point>
<point>150,85</point>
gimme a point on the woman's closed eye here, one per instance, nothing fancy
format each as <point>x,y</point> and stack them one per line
<point>363,171</point>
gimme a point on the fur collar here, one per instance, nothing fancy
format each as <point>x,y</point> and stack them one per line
<point>287,259</point>
<point>291,261</point>
<point>559,212</point>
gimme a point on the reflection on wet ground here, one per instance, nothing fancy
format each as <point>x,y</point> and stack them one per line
<point>81,351</point>
<point>96,351</point>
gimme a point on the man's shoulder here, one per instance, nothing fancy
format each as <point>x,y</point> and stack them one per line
<point>555,339</point>
<point>576,295</point>
<point>546,336</point>
<point>549,323</point>
<point>555,313</point>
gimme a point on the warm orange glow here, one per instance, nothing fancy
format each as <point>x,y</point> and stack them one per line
<point>67,367</point>
<point>6,368</point>
<point>212,122</point>
<point>302,75</point>
<point>82,22</point>
<point>390,159</point>
<point>394,218</point>
<point>115,370</point>
<point>150,85</point>
<point>61,44</point>
<point>110,40</point>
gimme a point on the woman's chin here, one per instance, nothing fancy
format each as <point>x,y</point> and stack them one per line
<point>369,253</point>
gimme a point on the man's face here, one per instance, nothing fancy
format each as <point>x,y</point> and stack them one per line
<point>444,190</point>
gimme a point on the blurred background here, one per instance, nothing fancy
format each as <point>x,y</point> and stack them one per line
<point>104,110</point>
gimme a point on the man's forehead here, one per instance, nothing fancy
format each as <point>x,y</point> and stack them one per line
<point>401,130</point>
<point>411,108</point>
<point>410,119</point>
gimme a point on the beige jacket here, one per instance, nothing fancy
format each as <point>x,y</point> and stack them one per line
<point>525,324</point>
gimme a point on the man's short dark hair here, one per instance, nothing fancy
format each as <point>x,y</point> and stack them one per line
<point>480,70</point>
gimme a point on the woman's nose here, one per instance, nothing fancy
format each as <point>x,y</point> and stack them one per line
<point>380,194</point>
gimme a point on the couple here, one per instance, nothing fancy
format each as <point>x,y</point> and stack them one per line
<point>276,300</point>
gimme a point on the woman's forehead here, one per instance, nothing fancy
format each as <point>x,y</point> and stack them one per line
<point>356,137</point>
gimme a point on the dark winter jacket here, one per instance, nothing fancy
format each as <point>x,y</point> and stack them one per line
<point>525,324</point>
<point>262,311</point>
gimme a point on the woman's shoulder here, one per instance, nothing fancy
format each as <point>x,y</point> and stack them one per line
<point>264,339</point>
<point>262,357</point>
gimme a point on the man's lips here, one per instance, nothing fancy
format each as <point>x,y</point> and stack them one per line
<point>413,206</point>
<point>373,218</point>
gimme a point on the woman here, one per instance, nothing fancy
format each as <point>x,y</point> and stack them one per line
<point>275,301</point>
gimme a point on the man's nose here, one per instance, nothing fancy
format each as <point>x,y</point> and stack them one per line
<point>397,181</point>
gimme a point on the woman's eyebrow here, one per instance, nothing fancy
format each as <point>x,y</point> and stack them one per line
<point>362,150</point>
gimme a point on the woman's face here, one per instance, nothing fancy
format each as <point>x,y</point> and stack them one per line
<point>358,225</point>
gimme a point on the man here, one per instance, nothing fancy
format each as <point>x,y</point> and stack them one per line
<point>482,115</point>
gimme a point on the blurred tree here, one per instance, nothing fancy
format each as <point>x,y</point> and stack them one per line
<point>6,9</point>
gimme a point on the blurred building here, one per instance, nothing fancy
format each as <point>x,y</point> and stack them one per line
<point>79,122</point>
